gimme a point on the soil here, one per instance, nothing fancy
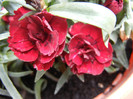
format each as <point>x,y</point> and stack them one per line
<point>75,89</point>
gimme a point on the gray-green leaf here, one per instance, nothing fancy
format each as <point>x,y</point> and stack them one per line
<point>39,74</point>
<point>8,83</point>
<point>38,87</point>
<point>63,79</point>
<point>90,13</point>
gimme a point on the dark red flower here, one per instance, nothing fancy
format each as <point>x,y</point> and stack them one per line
<point>87,52</point>
<point>38,38</point>
<point>115,5</point>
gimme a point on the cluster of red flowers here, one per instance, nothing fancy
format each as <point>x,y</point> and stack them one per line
<point>40,38</point>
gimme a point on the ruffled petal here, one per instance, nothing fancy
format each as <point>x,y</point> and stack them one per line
<point>44,13</point>
<point>49,45</point>
<point>34,31</point>
<point>78,60</point>
<point>20,35</point>
<point>76,28</point>
<point>105,53</point>
<point>14,24</point>
<point>22,46</point>
<point>40,66</point>
<point>28,56</point>
<point>92,31</point>
<point>107,64</point>
<point>73,54</point>
<point>115,5</point>
<point>60,25</point>
<point>13,28</point>
<point>60,50</point>
<point>23,10</point>
<point>94,68</point>
<point>45,58</point>
<point>76,42</point>
<point>68,61</point>
<point>36,20</point>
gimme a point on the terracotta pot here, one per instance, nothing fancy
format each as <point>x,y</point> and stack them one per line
<point>123,88</point>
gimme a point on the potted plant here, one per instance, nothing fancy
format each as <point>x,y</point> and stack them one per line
<point>70,36</point>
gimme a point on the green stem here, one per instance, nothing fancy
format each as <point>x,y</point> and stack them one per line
<point>51,76</point>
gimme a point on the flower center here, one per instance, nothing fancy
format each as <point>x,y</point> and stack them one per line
<point>87,53</point>
<point>40,35</point>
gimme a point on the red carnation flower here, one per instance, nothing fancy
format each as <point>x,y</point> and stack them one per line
<point>115,5</point>
<point>38,38</point>
<point>87,52</point>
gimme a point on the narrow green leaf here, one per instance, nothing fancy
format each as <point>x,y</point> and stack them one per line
<point>19,74</point>
<point>51,76</point>
<point>4,92</point>
<point>119,49</point>
<point>63,79</point>
<point>8,84</point>
<point>4,35</point>
<point>39,74</point>
<point>90,13</point>
<point>38,87</point>
<point>116,63</point>
<point>111,69</point>
<point>26,15</point>
<point>81,77</point>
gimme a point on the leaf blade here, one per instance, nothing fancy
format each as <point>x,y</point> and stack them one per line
<point>64,77</point>
<point>8,84</point>
<point>19,74</point>
<point>39,74</point>
<point>86,13</point>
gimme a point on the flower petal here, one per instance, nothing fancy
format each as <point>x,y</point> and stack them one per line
<point>22,46</point>
<point>20,35</point>
<point>60,25</point>
<point>23,10</point>
<point>92,31</point>
<point>76,42</point>
<point>28,56</point>
<point>39,66</point>
<point>94,68</point>
<point>115,5</point>
<point>60,50</point>
<point>107,64</point>
<point>78,60</point>
<point>73,54</point>
<point>49,45</point>
<point>48,16</point>
<point>105,53</point>
<point>76,28</point>
<point>67,59</point>
<point>45,58</point>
